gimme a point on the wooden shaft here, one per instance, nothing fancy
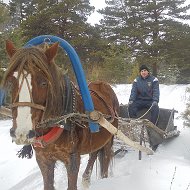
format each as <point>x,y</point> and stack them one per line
<point>149,124</point>
<point>113,130</point>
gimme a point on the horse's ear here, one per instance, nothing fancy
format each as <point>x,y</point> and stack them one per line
<point>10,48</point>
<point>51,52</point>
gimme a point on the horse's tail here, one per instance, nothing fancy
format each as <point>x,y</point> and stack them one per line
<point>105,156</point>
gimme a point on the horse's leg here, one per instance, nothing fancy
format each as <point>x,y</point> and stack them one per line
<point>105,155</point>
<point>47,169</point>
<point>88,171</point>
<point>72,170</point>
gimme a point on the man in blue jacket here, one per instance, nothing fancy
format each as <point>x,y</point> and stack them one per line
<point>145,93</point>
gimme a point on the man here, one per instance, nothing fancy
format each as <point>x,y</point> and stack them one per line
<point>145,93</point>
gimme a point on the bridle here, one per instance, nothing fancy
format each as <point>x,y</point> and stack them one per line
<point>28,104</point>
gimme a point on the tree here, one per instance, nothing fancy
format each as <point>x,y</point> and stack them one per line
<point>66,19</point>
<point>4,20</point>
<point>114,66</point>
<point>22,9</point>
<point>4,16</point>
<point>185,115</point>
<point>144,25</point>
<point>177,53</point>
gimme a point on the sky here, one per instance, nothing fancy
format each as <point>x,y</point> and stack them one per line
<point>167,169</point>
<point>95,17</point>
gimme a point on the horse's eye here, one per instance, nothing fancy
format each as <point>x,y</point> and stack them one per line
<point>43,84</point>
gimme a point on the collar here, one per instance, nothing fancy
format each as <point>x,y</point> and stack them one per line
<point>48,138</point>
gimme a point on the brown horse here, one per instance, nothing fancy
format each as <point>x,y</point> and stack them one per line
<point>40,94</point>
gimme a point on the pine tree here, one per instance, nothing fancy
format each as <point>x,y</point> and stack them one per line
<point>185,115</point>
<point>4,16</point>
<point>68,20</point>
<point>144,25</point>
<point>4,21</point>
<point>63,18</point>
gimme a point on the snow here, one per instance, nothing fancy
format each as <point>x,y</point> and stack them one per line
<point>167,169</point>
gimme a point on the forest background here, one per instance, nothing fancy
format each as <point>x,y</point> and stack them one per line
<point>130,33</point>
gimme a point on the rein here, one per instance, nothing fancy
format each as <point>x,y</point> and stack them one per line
<point>143,114</point>
<point>141,117</point>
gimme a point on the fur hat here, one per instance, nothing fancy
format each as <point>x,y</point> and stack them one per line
<point>142,67</point>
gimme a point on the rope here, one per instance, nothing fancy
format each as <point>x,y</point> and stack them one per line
<point>142,115</point>
<point>146,112</point>
<point>73,117</point>
<point>49,122</point>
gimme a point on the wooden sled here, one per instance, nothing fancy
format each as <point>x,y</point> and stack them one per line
<point>164,129</point>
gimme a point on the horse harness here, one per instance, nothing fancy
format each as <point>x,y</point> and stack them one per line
<point>79,119</point>
<point>69,99</point>
<point>111,110</point>
<point>69,107</point>
<point>29,104</point>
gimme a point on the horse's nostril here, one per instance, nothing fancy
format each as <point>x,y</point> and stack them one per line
<point>12,132</point>
<point>31,134</point>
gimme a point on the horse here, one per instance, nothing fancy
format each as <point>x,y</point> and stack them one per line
<point>41,93</point>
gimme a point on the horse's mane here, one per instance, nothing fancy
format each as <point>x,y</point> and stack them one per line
<point>33,59</point>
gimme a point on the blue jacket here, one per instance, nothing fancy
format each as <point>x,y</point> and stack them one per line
<point>2,97</point>
<point>145,89</point>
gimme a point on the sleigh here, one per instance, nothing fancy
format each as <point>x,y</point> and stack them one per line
<point>142,130</point>
<point>63,121</point>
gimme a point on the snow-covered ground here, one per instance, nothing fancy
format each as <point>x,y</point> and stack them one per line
<point>167,169</point>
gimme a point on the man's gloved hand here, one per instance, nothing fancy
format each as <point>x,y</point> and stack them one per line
<point>155,103</point>
<point>130,102</point>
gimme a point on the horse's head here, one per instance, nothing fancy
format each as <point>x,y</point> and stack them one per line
<point>32,76</point>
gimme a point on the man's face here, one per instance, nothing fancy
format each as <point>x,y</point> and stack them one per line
<point>144,73</point>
